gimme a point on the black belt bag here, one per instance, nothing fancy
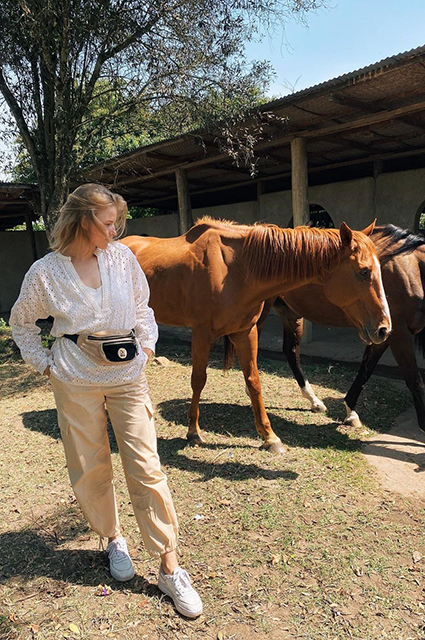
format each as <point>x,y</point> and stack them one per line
<point>104,348</point>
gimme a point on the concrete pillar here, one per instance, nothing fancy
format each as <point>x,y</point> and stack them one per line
<point>183,195</point>
<point>299,178</point>
<point>300,204</point>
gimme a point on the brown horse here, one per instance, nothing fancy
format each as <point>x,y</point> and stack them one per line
<point>402,257</point>
<point>215,278</point>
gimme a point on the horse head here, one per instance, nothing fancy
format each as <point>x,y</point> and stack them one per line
<point>356,286</point>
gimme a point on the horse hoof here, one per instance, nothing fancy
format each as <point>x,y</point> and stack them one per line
<point>356,423</point>
<point>275,447</point>
<point>319,408</point>
<point>195,438</point>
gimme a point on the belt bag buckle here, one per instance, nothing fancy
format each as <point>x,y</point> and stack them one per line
<point>109,349</point>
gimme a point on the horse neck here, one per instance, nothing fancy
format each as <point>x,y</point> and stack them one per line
<point>282,259</point>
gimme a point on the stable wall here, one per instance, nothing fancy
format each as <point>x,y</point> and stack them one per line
<point>15,259</point>
<point>159,226</point>
<point>400,197</point>
<point>395,198</point>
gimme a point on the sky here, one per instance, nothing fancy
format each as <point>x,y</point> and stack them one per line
<point>350,34</point>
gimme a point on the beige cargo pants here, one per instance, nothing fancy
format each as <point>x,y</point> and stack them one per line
<point>82,421</point>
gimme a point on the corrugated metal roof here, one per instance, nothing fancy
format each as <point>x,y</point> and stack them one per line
<point>351,77</point>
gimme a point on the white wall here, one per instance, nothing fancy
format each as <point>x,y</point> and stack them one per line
<point>399,196</point>
<point>158,226</point>
<point>351,201</point>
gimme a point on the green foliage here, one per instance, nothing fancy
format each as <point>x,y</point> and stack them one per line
<point>9,351</point>
<point>37,225</point>
<point>144,212</point>
<point>422,221</point>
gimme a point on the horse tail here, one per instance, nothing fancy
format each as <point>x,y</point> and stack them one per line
<point>229,353</point>
<point>420,342</point>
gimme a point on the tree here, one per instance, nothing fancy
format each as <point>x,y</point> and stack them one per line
<point>56,56</point>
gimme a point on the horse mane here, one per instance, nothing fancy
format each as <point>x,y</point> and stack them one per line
<point>298,253</point>
<point>220,223</point>
<point>391,241</point>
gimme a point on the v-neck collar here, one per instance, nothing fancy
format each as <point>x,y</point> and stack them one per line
<point>104,280</point>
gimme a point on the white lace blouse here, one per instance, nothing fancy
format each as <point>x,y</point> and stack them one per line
<point>52,287</point>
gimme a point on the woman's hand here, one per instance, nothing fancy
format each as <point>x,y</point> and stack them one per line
<point>46,371</point>
<point>148,352</point>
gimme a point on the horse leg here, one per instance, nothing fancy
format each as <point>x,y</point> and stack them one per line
<point>268,304</point>
<point>292,334</point>
<point>246,344</point>
<point>371,356</point>
<point>404,353</point>
<point>201,345</point>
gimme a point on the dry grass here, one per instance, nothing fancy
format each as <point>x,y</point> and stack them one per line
<point>306,545</point>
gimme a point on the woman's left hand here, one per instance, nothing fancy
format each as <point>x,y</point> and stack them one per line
<point>148,352</point>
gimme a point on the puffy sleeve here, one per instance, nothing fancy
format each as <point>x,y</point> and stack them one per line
<point>146,327</point>
<point>31,305</point>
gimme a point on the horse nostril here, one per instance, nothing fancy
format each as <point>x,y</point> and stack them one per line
<point>383,332</point>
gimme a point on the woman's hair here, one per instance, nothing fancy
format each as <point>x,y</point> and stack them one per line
<point>82,205</point>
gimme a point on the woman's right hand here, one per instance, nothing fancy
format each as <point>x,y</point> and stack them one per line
<point>46,371</point>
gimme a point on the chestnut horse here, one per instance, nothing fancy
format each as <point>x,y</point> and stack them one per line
<point>216,277</point>
<point>402,255</point>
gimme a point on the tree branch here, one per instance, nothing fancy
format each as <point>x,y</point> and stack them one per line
<point>20,121</point>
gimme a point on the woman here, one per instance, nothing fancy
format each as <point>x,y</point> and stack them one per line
<point>105,333</point>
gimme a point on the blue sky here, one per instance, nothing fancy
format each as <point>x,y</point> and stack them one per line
<point>349,35</point>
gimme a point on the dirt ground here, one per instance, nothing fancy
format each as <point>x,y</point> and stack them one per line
<point>306,545</point>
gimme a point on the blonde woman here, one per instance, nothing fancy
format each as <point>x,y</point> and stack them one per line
<point>105,333</point>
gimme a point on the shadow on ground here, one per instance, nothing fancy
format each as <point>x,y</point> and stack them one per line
<point>46,422</point>
<point>238,421</point>
<point>32,553</point>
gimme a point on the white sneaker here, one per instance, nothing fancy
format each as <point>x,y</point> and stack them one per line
<point>120,564</point>
<point>179,587</point>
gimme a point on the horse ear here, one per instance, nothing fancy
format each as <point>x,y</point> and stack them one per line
<point>369,230</point>
<point>346,235</point>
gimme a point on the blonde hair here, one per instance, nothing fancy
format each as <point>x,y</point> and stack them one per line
<point>82,205</point>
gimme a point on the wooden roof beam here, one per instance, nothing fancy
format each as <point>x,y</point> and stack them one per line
<point>373,106</point>
<point>343,142</point>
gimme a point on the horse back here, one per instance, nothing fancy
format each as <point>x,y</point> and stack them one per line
<point>186,274</point>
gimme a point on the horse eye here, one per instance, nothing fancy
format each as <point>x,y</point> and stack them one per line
<point>365,273</point>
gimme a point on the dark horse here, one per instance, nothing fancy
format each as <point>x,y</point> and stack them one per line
<point>216,277</point>
<point>402,256</point>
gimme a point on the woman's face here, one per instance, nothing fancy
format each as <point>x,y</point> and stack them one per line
<point>107,216</point>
